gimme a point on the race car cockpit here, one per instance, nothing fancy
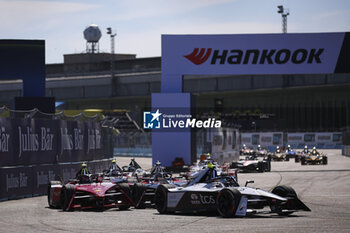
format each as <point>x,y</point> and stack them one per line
<point>158,172</point>
<point>133,166</point>
<point>314,151</point>
<point>278,150</point>
<point>114,169</point>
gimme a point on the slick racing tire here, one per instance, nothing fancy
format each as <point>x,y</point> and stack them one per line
<point>287,158</point>
<point>261,167</point>
<point>286,192</point>
<point>267,166</point>
<point>137,191</point>
<point>53,182</point>
<point>303,161</point>
<point>67,193</point>
<point>126,198</point>
<point>297,159</point>
<point>227,202</point>
<point>125,188</point>
<point>161,198</point>
<point>325,160</point>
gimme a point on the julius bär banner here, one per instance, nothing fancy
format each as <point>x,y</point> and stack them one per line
<point>39,141</point>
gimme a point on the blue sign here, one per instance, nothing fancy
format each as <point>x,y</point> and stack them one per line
<point>24,59</point>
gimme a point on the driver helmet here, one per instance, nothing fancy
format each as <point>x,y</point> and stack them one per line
<point>210,165</point>
<point>84,170</point>
<point>114,161</point>
<point>305,146</point>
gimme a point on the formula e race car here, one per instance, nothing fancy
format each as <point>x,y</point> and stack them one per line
<point>88,191</point>
<point>263,152</point>
<point>224,195</point>
<point>290,153</point>
<point>252,164</point>
<point>279,155</point>
<point>245,150</point>
<point>143,192</point>
<point>315,158</point>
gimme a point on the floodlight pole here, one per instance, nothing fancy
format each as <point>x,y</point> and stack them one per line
<point>284,14</point>
<point>109,32</point>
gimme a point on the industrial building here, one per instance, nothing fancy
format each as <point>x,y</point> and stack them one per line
<point>273,102</point>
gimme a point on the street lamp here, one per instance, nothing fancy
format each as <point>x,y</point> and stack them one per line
<point>284,13</point>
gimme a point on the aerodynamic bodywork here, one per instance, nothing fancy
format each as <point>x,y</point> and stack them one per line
<point>88,192</point>
<point>252,164</point>
<point>224,195</point>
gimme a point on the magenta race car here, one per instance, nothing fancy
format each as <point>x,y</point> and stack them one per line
<point>88,191</point>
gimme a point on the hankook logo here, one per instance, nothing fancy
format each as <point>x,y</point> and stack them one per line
<point>199,58</point>
<point>256,56</point>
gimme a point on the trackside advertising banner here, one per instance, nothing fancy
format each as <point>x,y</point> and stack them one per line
<point>322,140</point>
<point>252,54</point>
<point>38,141</point>
<point>302,53</point>
<point>27,181</point>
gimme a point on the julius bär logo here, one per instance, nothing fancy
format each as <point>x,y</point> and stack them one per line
<point>151,120</point>
<point>199,58</point>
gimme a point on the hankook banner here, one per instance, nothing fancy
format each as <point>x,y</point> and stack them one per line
<point>252,54</point>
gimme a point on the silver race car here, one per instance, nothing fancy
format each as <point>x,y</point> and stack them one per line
<point>208,192</point>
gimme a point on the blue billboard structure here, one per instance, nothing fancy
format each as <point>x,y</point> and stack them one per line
<point>24,59</point>
<point>251,54</point>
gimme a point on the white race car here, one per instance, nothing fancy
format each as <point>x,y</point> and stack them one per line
<point>205,192</point>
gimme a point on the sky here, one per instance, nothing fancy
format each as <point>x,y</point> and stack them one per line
<point>139,24</point>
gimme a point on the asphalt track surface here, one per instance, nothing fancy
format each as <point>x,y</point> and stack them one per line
<point>324,188</point>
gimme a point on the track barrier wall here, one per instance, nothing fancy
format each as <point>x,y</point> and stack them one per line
<point>28,181</point>
<point>321,140</point>
<point>35,151</point>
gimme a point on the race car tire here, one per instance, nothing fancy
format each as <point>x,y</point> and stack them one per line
<point>123,207</point>
<point>325,160</point>
<point>297,159</point>
<point>67,193</point>
<point>53,182</point>
<point>161,198</point>
<point>286,192</point>
<point>303,161</point>
<point>267,166</point>
<point>269,157</point>
<point>286,158</point>
<point>261,167</point>
<point>227,202</point>
<point>136,192</point>
<point>125,188</point>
